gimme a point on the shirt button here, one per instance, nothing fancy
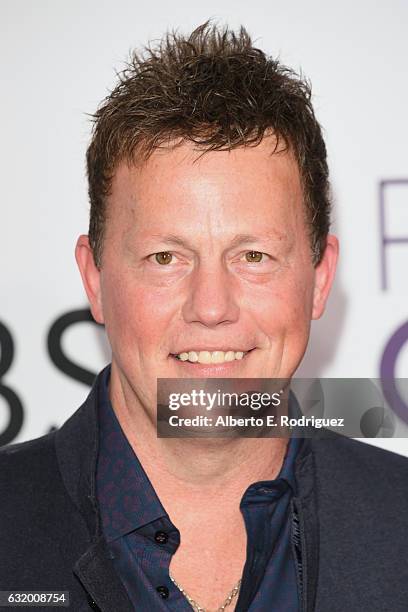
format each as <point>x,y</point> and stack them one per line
<point>163,591</point>
<point>161,537</point>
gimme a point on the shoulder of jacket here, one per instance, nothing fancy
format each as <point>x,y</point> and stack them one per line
<point>354,466</point>
<point>352,450</point>
<point>26,460</point>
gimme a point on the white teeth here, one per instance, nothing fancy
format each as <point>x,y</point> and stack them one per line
<point>217,357</point>
<point>210,357</point>
<point>204,357</point>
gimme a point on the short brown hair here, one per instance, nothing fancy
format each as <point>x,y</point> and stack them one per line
<point>215,89</point>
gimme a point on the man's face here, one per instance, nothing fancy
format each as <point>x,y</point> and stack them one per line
<point>233,272</point>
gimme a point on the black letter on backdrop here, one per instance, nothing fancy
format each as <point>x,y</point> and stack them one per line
<point>57,355</point>
<point>16,407</point>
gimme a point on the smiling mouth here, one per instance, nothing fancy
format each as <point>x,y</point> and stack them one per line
<point>210,357</point>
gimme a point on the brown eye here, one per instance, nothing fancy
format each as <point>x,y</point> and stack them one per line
<point>163,258</point>
<point>253,256</point>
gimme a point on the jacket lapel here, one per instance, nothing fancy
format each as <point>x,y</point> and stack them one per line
<point>308,524</point>
<point>96,573</point>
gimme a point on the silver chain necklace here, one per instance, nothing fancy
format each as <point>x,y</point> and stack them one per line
<point>197,608</point>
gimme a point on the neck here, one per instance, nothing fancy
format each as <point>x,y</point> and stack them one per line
<point>194,469</point>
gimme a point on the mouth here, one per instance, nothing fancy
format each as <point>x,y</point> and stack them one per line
<point>208,362</point>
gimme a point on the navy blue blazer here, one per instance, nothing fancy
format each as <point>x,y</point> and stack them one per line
<point>352,505</point>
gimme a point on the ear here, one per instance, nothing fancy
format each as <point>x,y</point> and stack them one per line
<point>324,276</point>
<point>90,277</point>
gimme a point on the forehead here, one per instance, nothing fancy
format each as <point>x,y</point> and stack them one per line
<point>182,185</point>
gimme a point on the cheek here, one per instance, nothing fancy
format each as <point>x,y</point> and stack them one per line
<point>134,317</point>
<point>283,309</point>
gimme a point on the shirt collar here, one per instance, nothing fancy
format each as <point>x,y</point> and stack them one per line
<point>126,497</point>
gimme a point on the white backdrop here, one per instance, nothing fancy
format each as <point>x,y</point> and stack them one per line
<point>57,63</point>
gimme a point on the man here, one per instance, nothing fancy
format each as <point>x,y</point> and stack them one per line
<point>208,255</point>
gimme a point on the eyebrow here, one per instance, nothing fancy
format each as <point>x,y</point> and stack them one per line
<point>236,241</point>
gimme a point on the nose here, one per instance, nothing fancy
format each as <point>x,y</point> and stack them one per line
<point>211,297</point>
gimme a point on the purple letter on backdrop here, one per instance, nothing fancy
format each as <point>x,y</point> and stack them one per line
<point>386,240</point>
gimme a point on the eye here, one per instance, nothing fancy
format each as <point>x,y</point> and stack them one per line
<point>163,258</point>
<point>254,256</point>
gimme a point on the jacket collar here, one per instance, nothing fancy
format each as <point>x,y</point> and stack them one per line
<point>77,451</point>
